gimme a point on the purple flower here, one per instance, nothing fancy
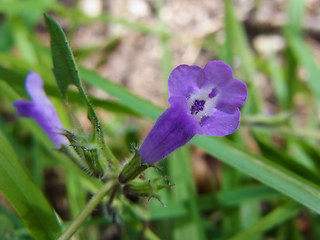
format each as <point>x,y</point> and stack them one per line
<point>202,101</point>
<point>41,109</point>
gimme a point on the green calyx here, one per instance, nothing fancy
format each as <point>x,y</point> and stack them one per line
<point>89,154</point>
<point>132,169</point>
<point>146,189</point>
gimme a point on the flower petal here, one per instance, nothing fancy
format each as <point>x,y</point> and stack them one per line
<point>173,129</point>
<point>232,94</point>
<point>217,73</point>
<point>41,109</point>
<point>223,121</point>
<point>24,108</point>
<point>184,79</point>
<point>47,117</point>
<point>34,87</point>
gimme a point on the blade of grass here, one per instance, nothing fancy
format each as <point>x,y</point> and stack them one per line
<point>237,196</point>
<point>282,159</point>
<point>230,222</point>
<point>271,174</point>
<point>20,34</point>
<point>305,58</point>
<point>130,100</point>
<point>295,13</point>
<point>25,196</point>
<point>180,170</point>
<point>274,218</point>
<point>212,201</point>
<point>237,43</point>
<point>298,45</point>
<point>237,48</point>
<point>277,77</point>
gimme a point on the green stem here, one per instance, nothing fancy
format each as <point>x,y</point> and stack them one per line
<point>108,153</point>
<point>95,200</point>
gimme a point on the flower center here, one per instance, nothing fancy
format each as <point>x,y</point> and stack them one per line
<point>201,102</point>
<point>197,106</point>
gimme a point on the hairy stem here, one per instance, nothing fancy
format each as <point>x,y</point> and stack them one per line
<point>94,201</point>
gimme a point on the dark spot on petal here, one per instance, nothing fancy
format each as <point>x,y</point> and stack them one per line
<point>197,106</point>
<point>213,93</point>
<point>203,119</point>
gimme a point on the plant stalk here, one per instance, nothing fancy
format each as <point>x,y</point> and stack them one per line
<point>94,201</point>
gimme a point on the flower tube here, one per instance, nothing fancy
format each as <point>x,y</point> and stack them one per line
<point>41,109</point>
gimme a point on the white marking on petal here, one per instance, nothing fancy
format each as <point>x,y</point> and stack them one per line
<point>200,95</point>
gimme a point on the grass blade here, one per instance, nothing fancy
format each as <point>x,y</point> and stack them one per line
<point>25,196</point>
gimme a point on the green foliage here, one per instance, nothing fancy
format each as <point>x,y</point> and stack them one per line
<point>65,68</point>
<point>25,196</point>
<point>267,173</point>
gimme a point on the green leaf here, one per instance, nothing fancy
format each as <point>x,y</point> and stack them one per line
<point>278,81</point>
<point>296,9</point>
<point>26,198</point>
<point>237,43</point>
<point>14,7</point>
<point>65,68</point>
<point>269,221</point>
<point>130,100</point>
<point>180,169</point>
<point>6,39</point>
<point>66,73</point>
<point>271,174</point>
<point>305,57</point>
<point>238,196</point>
<point>21,37</point>
<point>282,159</point>
<point>237,46</point>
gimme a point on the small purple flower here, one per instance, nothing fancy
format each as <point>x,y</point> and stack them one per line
<point>41,109</point>
<point>202,101</point>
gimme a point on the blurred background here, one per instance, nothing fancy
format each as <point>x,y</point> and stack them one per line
<point>273,46</point>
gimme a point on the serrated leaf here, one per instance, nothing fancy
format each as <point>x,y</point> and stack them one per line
<point>64,66</point>
<point>66,71</point>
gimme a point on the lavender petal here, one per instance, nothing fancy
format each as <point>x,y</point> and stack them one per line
<point>41,109</point>
<point>24,108</point>
<point>222,122</point>
<point>232,94</point>
<point>184,79</point>
<point>217,73</point>
<point>173,129</point>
